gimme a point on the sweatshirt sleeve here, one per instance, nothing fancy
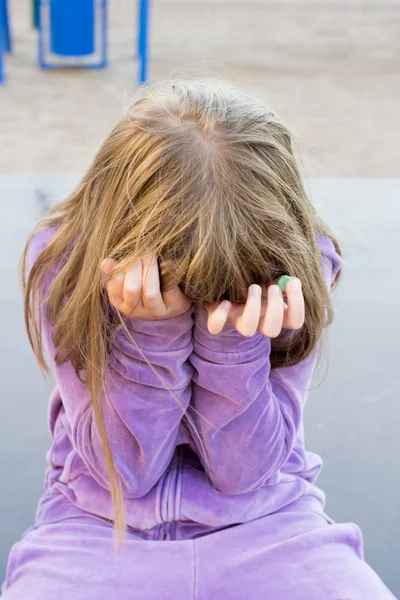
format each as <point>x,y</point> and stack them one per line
<point>247,415</point>
<point>142,417</point>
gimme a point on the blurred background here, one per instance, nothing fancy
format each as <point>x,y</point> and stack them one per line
<point>331,69</point>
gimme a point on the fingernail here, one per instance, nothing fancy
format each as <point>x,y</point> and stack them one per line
<point>225,305</point>
<point>275,290</point>
<point>108,264</point>
<point>295,284</point>
<point>254,290</point>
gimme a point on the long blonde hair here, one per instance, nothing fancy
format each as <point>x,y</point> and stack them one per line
<point>203,175</point>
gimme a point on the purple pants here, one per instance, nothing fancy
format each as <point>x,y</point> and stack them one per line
<point>293,554</point>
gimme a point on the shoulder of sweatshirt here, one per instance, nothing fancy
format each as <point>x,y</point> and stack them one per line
<point>38,243</point>
<point>331,261</point>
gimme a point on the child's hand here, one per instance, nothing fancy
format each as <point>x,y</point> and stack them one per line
<point>136,293</point>
<point>265,311</point>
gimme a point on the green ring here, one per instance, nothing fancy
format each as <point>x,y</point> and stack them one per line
<point>283,281</point>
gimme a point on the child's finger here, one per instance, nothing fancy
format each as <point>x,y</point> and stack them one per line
<point>294,315</point>
<point>247,323</point>
<point>108,265</point>
<point>218,316</point>
<point>132,288</point>
<point>173,297</point>
<point>151,293</point>
<point>115,284</point>
<point>272,323</point>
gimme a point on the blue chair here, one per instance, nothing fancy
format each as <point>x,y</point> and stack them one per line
<point>5,36</point>
<point>5,26</point>
<point>68,34</point>
<point>72,33</point>
<point>1,50</point>
<point>36,13</point>
<point>143,35</point>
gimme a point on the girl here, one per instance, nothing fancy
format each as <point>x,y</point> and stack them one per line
<point>177,468</point>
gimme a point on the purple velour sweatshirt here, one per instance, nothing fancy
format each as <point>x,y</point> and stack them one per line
<point>248,416</point>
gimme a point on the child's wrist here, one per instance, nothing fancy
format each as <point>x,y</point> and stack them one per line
<point>162,334</point>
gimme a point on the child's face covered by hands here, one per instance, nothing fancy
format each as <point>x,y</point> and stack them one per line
<point>137,292</point>
<point>265,311</point>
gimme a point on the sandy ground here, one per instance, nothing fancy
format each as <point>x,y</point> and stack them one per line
<point>331,68</point>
